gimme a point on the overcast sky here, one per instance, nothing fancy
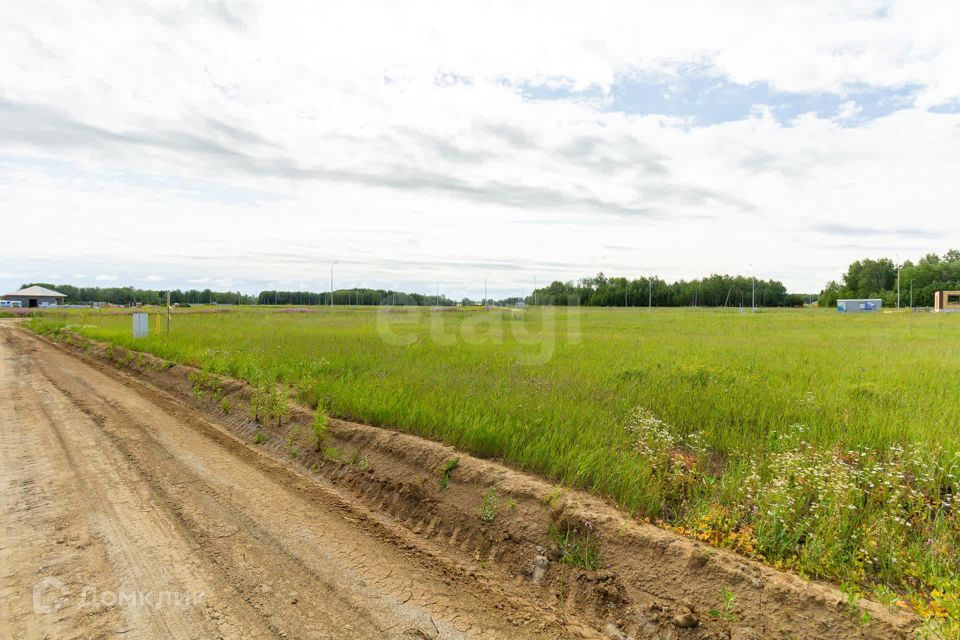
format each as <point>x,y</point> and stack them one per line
<point>246,145</point>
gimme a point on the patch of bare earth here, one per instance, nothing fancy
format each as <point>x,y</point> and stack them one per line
<point>115,473</point>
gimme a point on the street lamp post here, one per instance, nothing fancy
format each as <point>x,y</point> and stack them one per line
<point>331,280</point>
<point>898,285</point>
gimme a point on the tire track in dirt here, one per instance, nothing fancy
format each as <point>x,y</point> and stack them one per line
<point>158,505</point>
<point>45,531</point>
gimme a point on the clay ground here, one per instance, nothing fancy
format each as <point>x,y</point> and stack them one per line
<point>134,522</point>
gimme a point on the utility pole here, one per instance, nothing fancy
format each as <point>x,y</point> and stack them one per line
<point>331,281</point>
<point>168,313</point>
<point>898,283</point>
<point>650,294</point>
<point>753,290</point>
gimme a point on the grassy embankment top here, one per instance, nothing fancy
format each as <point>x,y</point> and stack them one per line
<point>819,442</point>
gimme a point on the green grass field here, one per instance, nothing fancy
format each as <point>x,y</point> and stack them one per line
<point>819,442</point>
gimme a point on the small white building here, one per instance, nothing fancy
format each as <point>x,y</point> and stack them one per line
<point>36,297</point>
<point>859,305</point>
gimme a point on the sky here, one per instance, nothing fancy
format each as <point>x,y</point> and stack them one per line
<point>424,145</point>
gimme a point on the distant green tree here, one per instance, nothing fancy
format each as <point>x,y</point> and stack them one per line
<point>713,291</point>
<point>878,279</point>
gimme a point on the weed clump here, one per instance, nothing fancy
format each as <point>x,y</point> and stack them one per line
<point>726,609</point>
<point>359,460</point>
<point>320,426</point>
<point>576,546</point>
<point>203,382</point>
<point>334,454</point>
<point>445,470</point>
<point>488,505</point>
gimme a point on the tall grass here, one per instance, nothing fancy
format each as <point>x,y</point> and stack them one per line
<point>738,400</point>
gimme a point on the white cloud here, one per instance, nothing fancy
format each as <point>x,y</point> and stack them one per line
<point>848,110</point>
<point>240,145</point>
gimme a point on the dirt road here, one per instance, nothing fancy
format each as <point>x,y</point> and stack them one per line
<point>124,515</point>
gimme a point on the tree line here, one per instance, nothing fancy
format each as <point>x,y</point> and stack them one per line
<point>713,291</point>
<point>354,297</point>
<point>132,295</point>
<point>877,278</point>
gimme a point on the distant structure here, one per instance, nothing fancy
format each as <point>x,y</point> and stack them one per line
<point>859,305</point>
<point>36,297</point>
<point>946,301</point>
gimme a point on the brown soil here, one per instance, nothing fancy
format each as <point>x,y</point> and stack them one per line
<point>119,472</point>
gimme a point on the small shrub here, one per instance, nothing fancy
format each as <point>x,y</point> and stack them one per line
<point>225,406</point>
<point>203,382</point>
<point>259,403</point>
<point>320,424</point>
<point>279,404</point>
<point>259,437</point>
